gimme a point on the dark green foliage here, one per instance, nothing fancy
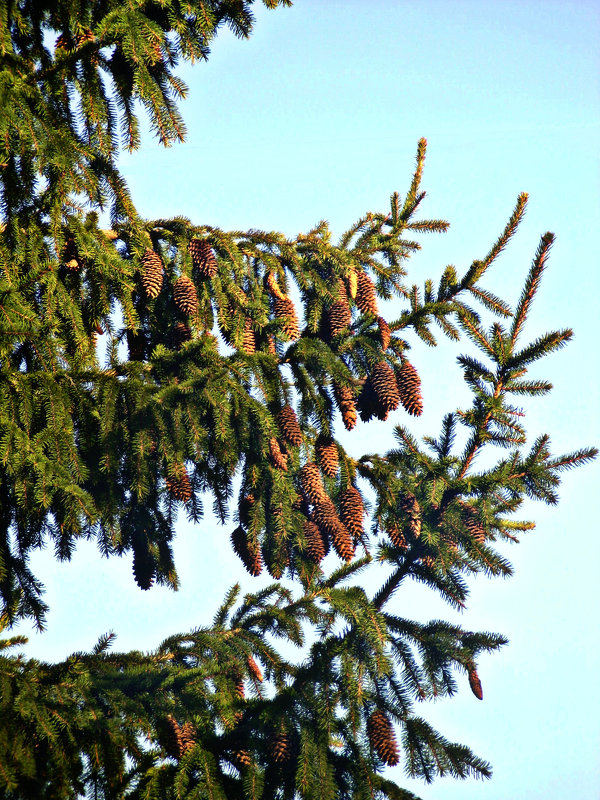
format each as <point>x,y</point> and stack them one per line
<point>229,354</point>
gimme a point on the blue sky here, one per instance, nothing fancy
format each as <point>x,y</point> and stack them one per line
<point>318,116</point>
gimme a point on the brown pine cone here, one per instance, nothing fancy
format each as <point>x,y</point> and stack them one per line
<point>409,505</point>
<point>366,298</point>
<point>152,273</point>
<point>203,258</point>
<point>247,551</point>
<point>472,522</point>
<point>312,483</point>
<point>384,385</point>
<point>249,339</point>
<point>254,669</point>
<point>278,458</point>
<point>327,455</point>
<point>289,426</point>
<point>474,682</point>
<point>274,288</point>
<point>325,515</point>
<point>280,745</point>
<point>368,403</point>
<point>384,333</point>
<point>346,402</point>
<point>352,511</point>
<point>316,548</point>
<point>179,486</point>
<point>285,313</point>
<point>409,388</point>
<point>185,296</point>
<point>144,566</point>
<point>382,738</point>
<point>180,334</point>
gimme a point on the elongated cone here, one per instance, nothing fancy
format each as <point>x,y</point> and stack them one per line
<point>248,340</point>
<point>369,404</point>
<point>316,549</point>
<point>338,314</point>
<point>241,758</point>
<point>284,311</point>
<point>188,737</point>
<point>325,515</point>
<point>352,282</point>
<point>475,683</point>
<point>274,288</point>
<point>181,333</point>
<point>203,258</point>
<point>254,669</point>
<point>144,567</point>
<point>409,387</point>
<point>173,741</point>
<point>397,536</point>
<point>311,482</point>
<point>278,458</point>
<point>247,551</point>
<point>472,522</point>
<point>245,505</point>
<point>384,385</point>
<point>185,295</point>
<point>366,299</point>
<point>382,737</point>
<point>409,504</point>
<point>280,744</point>
<point>346,402</point>
<point>352,511</point>
<point>327,455</point>
<point>179,486</point>
<point>152,273</point>
<point>385,334</point>
<point>289,426</point>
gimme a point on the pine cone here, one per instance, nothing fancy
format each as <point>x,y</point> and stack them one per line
<point>245,505</point>
<point>271,346</point>
<point>284,311</point>
<point>384,385</point>
<point>366,299</point>
<point>409,505</point>
<point>280,745</point>
<point>255,670</point>
<point>384,333</point>
<point>382,738</point>
<point>327,455</point>
<point>188,737</point>
<point>144,566</point>
<point>247,551</point>
<point>409,388</point>
<point>325,515</point>
<point>152,274</point>
<point>181,333</point>
<point>179,486</point>
<point>289,426</point>
<point>472,522</point>
<point>474,682</point>
<point>344,397</point>
<point>249,339</point>
<point>173,742</point>
<point>338,314</point>
<point>241,758</point>
<point>369,404</point>
<point>185,295</point>
<point>352,282</point>
<point>274,288</point>
<point>397,536</point>
<point>316,548</point>
<point>278,458</point>
<point>312,484</point>
<point>352,511</point>
<point>203,258</point>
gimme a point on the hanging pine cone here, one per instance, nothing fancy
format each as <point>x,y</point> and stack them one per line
<point>248,339</point>
<point>382,738</point>
<point>409,505</point>
<point>271,346</point>
<point>472,522</point>
<point>327,455</point>
<point>474,682</point>
<point>353,282</point>
<point>188,737</point>
<point>180,334</point>
<point>316,548</point>
<point>245,506</point>
<point>366,299</point>
<point>338,315</point>
<point>285,313</point>
<point>289,426</point>
<point>239,688</point>
<point>254,669</point>
<point>203,258</point>
<point>384,385</point>
<point>172,740</point>
<point>278,458</point>
<point>369,404</point>
<point>144,567</point>
<point>152,273</point>
<point>185,296</point>
<point>397,536</point>
<point>247,551</point>
<point>274,288</point>
<point>325,515</point>
<point>409,387</point>
<point>385,333</point>
<point>179,486</point>
<point>312,484</point>
<point>352,511</point>
<point>428,561</point>
<point>280,744</point>
<point>346,402</point>
<point>241,758</point>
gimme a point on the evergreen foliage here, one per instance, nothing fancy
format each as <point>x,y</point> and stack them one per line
<point>231,353</point>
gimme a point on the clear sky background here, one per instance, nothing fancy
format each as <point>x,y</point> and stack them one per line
<point>318,116</point>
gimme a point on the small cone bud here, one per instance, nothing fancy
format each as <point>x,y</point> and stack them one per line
<point>278,458</point>
<point>203,258</point>
<point>289,426</point>
<point>382,738</point>
<point>352,511</point>
<point>284,311</point>
<point>312,484</point>
<point>366,299</point>
<point>247,551</point>
<point>327,455</point>
<point>475,683</point>
<point>409,387</point>
<point>384,385</point>
<point>152,273</point>
<point>185,296</point>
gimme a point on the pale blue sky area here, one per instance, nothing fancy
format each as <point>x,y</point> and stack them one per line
<point>318,116</point>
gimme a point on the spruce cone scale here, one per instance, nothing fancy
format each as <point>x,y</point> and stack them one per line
<point>382,738</point>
